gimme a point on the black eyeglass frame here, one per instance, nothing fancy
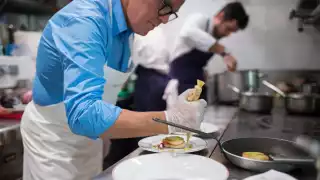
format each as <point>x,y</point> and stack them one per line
<point>167,10</point>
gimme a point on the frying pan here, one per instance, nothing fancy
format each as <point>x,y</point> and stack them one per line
<point>285,155</point>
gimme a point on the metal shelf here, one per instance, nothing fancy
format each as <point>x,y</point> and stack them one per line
<point>31,7</point>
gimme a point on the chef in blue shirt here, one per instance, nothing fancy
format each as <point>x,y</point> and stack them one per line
<point>83,60</point>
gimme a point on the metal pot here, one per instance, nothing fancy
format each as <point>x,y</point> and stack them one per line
<point>218,90</point>
<point>310,88</point>
<point>254,101</point>
<point>253,79</point>
<point>300,103</point>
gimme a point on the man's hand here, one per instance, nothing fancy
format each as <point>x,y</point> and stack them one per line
<point>230,62</point>
<point>186,113</point>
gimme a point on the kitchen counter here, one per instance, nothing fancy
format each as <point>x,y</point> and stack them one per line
<point>279,125</point>
<point>235,124</point>
<point>6,125</point>
<point>217,115</point>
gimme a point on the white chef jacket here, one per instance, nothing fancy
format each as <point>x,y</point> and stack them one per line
<point>151,51</point>
<point>196,33</point>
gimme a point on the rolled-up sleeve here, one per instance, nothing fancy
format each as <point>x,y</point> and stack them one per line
<point>81,44</point>
<point>195,34</point>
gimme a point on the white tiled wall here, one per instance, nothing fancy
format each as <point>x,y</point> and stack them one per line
<point>270,42</point>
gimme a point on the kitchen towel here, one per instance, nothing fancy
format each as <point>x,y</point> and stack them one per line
<point>271,175</point>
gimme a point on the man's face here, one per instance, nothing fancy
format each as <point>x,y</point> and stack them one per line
<point>225,28</point>
<point>143,15</point>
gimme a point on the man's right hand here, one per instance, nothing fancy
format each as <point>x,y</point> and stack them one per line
<point>186,113</point>
<point>230,62</point>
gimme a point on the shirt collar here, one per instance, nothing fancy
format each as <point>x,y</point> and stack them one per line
<point>119,23</point>
<point>211,24</point>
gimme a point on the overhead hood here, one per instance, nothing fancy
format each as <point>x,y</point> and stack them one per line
<point>26,7</point>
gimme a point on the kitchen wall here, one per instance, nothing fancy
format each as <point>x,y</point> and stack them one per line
<point>271,42</point>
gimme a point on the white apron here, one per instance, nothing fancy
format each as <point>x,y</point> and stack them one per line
<point>52,151</point>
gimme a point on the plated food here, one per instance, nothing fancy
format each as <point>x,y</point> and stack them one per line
<point>172,143</point>
<point>175,142</point>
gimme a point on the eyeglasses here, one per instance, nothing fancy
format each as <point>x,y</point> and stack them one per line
<point>167,10</point>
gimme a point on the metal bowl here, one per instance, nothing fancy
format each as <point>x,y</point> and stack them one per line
<point>234,148</point>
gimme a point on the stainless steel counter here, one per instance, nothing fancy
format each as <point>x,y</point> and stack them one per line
<point>217,115</point>
<point>11,150</point>
<point>6,125</point>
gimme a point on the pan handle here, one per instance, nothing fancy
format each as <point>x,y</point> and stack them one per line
<point>234,88</point>
<point>292,160</point>
<point>273,87</point>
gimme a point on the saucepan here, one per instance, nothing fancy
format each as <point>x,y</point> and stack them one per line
<point>284,155</point>
<point>301,103</point>
<point>254,101</point>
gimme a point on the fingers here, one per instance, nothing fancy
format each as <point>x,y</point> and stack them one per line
<point>4,111</point>
<point>203,103</point>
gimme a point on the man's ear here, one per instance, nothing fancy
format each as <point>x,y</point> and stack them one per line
<point>219,17</point>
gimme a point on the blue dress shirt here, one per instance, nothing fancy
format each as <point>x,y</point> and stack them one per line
<point>76,44</point>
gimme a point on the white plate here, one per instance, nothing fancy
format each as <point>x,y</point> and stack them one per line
<point>166,166</point>
<point>147,143</point>
<point>208,127</point>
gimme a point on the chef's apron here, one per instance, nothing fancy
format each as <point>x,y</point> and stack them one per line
<point>149,89</point>
<point>188,67</point>
<point>52,151</point>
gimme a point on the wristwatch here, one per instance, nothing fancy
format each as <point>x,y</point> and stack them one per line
<point>223,54</point>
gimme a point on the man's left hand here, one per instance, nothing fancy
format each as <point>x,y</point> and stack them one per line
<point>230,62</point>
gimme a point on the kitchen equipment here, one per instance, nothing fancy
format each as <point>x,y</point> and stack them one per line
<point>313,147</point>
<point>170,166</point>
<point>11,150</point>
<point>253,78</point>
<point>254,101</point>
<point>198,133</point>
<point>286,154</point>
<point>298,102</point>
<point>310,88</point>
<point>150,144</point>
<point>218,90</point>
<point>234,148</point>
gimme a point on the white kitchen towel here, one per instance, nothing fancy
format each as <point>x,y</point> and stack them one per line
<point>271,175</point>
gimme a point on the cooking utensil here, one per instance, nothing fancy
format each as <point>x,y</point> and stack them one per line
<point>291,160</point>
<point>234,148</point>
<point>310,88</point>
<point>253,77</point>
<point>254,101</point>
<point>313,147</point>
<point>298,102</point>
<point>218,90</point>
<point>199,134</point>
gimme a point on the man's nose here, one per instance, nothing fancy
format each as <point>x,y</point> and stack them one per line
<point>164,19</point>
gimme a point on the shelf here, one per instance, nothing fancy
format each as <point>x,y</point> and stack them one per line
<point>30,7</point>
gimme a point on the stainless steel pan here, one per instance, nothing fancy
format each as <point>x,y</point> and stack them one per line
<point>254,101</point>
<point>287,158</point>
<point>298,102</point>
<point>285,154</point>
